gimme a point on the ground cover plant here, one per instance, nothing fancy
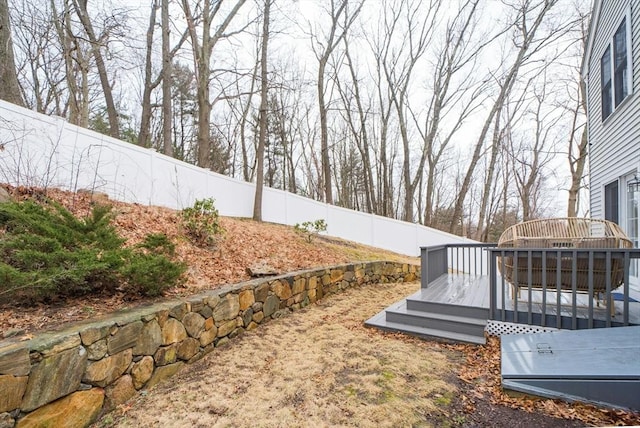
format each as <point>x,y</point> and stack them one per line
<point>311,228</point>
<point>202,222</point>
<point>47,253</point>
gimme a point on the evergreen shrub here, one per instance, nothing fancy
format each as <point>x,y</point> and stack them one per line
<point>47,253</point>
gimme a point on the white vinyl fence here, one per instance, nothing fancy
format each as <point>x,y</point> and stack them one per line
<point>44,151</point>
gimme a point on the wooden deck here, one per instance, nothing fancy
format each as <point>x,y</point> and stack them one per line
<point>473,291</point>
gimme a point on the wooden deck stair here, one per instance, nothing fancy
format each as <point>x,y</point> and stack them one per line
<point>449,322</point>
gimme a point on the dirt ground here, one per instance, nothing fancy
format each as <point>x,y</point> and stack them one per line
<point>321,367</point>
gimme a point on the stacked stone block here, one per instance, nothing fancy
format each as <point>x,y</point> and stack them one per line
<point>70,377</point>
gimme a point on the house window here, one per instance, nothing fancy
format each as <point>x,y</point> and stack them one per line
<point>605,65</point>
<point>620,63</point>
<point>611,203</point>
<point>615,67</point>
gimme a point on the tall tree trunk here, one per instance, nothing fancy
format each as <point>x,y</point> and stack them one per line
<point>326,48</point>
<point>247,169</point>
<point>60,23</point>
<point>324,134</point>
<point>167,61</point>
<point>578,162</point>
<point>203,97</point>
<point>264,86</point>
<point>361,136</point>
<point>486,190</point>
<point>144,136</point>
<point>112,113</point>
<point>9,86</point>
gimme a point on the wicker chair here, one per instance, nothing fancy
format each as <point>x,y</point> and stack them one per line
<point>563,233</point>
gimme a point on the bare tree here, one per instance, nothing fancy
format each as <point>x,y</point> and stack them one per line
<point>511,110</point>
<point>76,65</point>
<point>386,152</point>
<point>399,65</point>
<point>202,51</point>
<point>167,62</point>
<point>341,19</point>
<point>454,98</point>
<point>530,17</point>
<point>264,87</point>
<point>9,87</point>
<point>38,66</point>
<point>578,149</point>
<point>80,7</point>
<point>578,146</point>
<point>358,127</point>
<point>164,77</point>
<point>144,135</point>
<point>184,109</point>
<point>532,152</point>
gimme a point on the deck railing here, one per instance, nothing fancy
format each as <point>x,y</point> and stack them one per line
<point>586,283</point>
<point>569,288</point>
<point>468,259</point>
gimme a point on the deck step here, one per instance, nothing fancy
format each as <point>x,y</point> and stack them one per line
<point>415,304</point>
<point>379,321</point>
<point>458,324</point>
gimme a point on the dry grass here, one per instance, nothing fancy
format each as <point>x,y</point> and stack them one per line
<point>316,367</point>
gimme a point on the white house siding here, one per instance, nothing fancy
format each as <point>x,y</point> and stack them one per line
<point>614,148</point>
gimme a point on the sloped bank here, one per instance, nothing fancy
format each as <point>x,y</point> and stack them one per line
<point>69,377</point>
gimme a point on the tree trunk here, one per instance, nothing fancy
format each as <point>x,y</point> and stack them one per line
<point>576,176</point>
<point>264,86</point>
<point>204,105</point>
<point>9,86</point>
<point>144,136</point>
<point>361,136</point>
<point>486,190</point>
<point>167,69</point>
<point>323,54</point>
<point>112,113</point>
<point>248,170</point>
<point>577,164</point>
<point>61,23</point>
<point>324,134</point>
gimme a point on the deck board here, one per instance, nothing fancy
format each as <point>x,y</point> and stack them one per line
<point>473,291</point>
<point>599,366</point>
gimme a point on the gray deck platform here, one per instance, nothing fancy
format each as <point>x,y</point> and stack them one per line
<point>473,291</point>
<point>601,366</point>
<point>456,307</point>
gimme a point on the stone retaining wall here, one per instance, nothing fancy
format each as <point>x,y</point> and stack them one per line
<point>70,377</point>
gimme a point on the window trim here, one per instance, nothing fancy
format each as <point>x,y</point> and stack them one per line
<point>610,48</point>
<point>608,214</point>
<point>606,88</point>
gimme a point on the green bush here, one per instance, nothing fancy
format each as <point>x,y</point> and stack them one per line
<point>149,274</point>
<point>311,228</point>
<point>202,223</point>
<point>158,243</point>
<point>47,253</point>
